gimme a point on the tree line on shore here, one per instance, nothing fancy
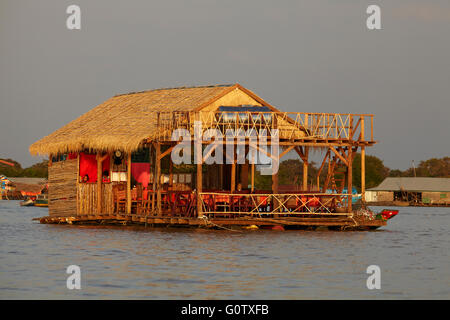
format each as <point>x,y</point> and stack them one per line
<point>38,170</point>
<point>291,171</point>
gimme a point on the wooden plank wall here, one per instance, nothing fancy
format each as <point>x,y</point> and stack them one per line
<point>62,191</point>
<point>87,195</point>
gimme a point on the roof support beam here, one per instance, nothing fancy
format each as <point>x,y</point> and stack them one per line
<point>339,156</point>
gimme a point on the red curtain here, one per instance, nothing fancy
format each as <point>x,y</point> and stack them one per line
<point>105,165</point>
<point>88,166</point>
<point>141,173</point>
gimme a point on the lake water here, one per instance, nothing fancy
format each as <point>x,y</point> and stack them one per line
<point>412,252</point>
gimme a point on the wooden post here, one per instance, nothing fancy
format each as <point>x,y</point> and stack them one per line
<point>349,178</point>
<point>253,168</point>
<point>363,173</point>
<point>363,163</point>
<point>158,178</point>
<point>371,128</point>
<point>305,169</point>
<point>154,177</point>
<point>170,173</point>
<point>198,155</point>
<point>221,166</point>
<point>99,183</point>
<point>253,177</point>
<point>78,183</point>
<point>199,188</point>
<point>275,183</point>
<point>275,190</point>
<point>233,175</point>
<point>129,183</point>
<point>306,121</point>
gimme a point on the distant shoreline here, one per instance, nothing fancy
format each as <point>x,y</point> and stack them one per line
<point>405,204</point>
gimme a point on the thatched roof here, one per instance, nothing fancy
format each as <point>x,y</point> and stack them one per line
<point>29,188</point>
<point>28,180</point>
<point>124,121</point>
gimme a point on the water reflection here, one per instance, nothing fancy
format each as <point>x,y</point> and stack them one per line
<point>162,263</point>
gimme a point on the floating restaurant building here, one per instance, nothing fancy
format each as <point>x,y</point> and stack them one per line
<point>115,163</point>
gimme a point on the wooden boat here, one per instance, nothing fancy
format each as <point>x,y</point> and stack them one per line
<point>400,203</point>
<point>27,203</point>
<point>387,214</point>
<point>41,201</point>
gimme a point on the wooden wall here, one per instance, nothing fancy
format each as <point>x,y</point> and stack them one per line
<point>62,191</point>
<point>435,197</point>
<point>87,195</point>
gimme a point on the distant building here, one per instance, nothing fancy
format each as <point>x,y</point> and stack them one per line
<point>414,190</point>
<point>19,187</point>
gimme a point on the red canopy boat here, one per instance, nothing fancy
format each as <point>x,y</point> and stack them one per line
<point>388,214</point>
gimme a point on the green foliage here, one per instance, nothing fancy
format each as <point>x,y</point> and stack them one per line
<point>38,170</point>
<point>9,171</point>
<point>262,182</point>
<point>376,172</point>
<point>435,167</point>
<point>290,172</point>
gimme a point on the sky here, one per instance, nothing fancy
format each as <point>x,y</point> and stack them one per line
<point>300,56</point>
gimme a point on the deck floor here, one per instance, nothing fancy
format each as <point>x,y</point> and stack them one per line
<point>343,221</point>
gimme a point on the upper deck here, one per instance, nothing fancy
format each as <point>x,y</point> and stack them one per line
<point>293,127</point>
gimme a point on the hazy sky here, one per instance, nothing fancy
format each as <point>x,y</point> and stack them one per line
<point>304,56</point>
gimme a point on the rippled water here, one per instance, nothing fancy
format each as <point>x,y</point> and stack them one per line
<point>124,262</point>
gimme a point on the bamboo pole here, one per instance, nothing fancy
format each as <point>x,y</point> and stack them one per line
<point>305,169</point>
<point>154,178</point>
<point>253,152</point>
<point>253,177</point>
<point>129,183</point>
<point>363,162</point>
<point>275,183</point>
<point>221,166</point>
<point>158,177</point>
<point>363,173</point>
<point>199,188</point>
<point>99,183</point>
<point>275,202</point>
<point>170,174</point>
<point>349,179</point>
<point>78,183</point>
<point>233,176</point>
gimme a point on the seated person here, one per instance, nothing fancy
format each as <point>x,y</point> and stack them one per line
<point>105,177</point>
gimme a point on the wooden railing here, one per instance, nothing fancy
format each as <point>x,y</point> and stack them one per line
<point>223,204</point>
<point>290,125</point>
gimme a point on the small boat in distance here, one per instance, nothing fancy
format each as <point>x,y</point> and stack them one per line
<point>27,202</point>
<point>41,200</point>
